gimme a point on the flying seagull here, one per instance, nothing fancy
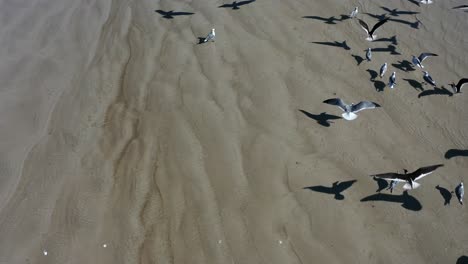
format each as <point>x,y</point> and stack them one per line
<point>457,88</point>
<point>211,36</point>
<point>369,54</point>
<point>383,69</point>
<point>409,178</point>
<point>370,33</point>
<point>351,110</point>
<point>392,80</point>
<point>428,78</point>
<point>426,2</point>
<point>460,191</point>
<point>418,60</point>
<point>354,13</point>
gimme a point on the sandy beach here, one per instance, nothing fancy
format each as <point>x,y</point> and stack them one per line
<point>123,140</point>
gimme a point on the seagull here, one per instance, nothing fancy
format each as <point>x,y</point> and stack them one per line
<point>350,110</point>
<point>418,60</point>
<point>460,191</point>
<point>211,36</point>
<point>392,80</point>
<point>369,54</point>
<point>383,69</point>
<point>393,184</point>
<point>409,178</point>
<point>370,33</point>
<point>426,2</point>
<point>457,88</point>
<point>462,7</point>
<point>354,13</point>
<point>428,78</point>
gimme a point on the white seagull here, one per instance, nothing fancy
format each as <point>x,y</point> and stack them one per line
<point>426,2</point>
<point>392,80</point>
<point>383,69</point>
<point>351,110</point>
<point>369,54</point>
<point>460,191</point>
<point>409,178</point>
<point>418,60</point>
<point>370,33</point>
<point>428,78</point>
<point>211,36</point>
<point>459,85</point>
<point>354,13</point>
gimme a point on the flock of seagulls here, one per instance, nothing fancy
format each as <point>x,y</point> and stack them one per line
<point>350,110</point>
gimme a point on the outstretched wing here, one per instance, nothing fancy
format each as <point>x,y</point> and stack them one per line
<point>336,101</point>
<point>423,56</point>
<point>363,105</point>
<point>461,83</point>
<point>462,7</point>
<point>391,176</point>
<point>421,172</point>
<point>344,185</point>
<point>364,25</point>
<point>376,26</point>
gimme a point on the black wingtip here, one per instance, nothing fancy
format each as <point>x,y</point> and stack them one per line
<point>376,104</point>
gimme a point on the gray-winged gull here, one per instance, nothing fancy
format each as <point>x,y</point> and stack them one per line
<point>351,110</point>
<point>418,60</point>
<point>370,33</point>
<point>409,178</point>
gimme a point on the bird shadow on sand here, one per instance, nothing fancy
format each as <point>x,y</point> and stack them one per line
<point>414,24</point>
<point>358,59</point>
<point>435,91</point>
<point>235,5</point>
<point>415,84</point>
<point>446,194</point>
<point>328,20</point>
<point>451,153</point>
<point>378,85</point>
<point>392,40</point>
<point>404,65</point>
<point>462,260</point>
<point>396,12</point>
<point>337,44</point>
<point>322,118</point>
<point>407,201</point>
<point>381,183</point>
<point>336,189</point>
<point>390,49</point>
<point>171,14</point>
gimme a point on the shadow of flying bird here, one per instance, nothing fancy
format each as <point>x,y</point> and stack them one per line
<point>330,20</point>
<point>383,16</point>
<point>415,84</point>
<point>235,5</point>
<point>396,12</point>
<point>336,189</point>
<point>407,201</point>
<point>322,118</point>
<point>392,40</point>
<point>171,14</point>
<point>337,44</point>
<point>382,184</point>
<point>451,153</point>
<point>446,194</point>
<point>390,48</point>
<point>404,65</point>
<point>436,91</point>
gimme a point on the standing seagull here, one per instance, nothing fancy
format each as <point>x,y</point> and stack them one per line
<point>460,191</point>
<point>383,69</point>
<point>457,88</point>
<point>418,60</point>
<point>369,54</point>
<point>409,178</point>
<point>428,78</point>
<point>211,36</point>
<point>370,33</point>
<point>351,110</point>
<point>426,2</point>
<point>354,13</point>
<point>392,80</point>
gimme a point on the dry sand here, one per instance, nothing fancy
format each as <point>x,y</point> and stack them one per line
<point>117,129</point>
